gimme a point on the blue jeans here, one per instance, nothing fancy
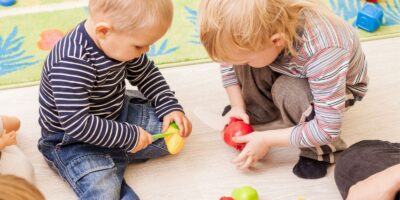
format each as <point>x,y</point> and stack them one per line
<point>96,172</point>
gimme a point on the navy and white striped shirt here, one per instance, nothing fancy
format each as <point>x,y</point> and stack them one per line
<point>82,92</point>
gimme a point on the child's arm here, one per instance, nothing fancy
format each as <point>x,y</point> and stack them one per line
<point>147,77</point>
<point>71,82</point>
<point>235,96</point>
<point>238,107</point>
<point>234,92</point>
<point>327,74</point>
<point>144,140</point>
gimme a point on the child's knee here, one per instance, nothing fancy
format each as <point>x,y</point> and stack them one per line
<point>288,92</point>
<point>140,112</point>
<point>94,177</point>
<point>102,184</point>
<point>159,148</point>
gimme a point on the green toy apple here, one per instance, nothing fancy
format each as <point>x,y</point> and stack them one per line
<point>245,193</point>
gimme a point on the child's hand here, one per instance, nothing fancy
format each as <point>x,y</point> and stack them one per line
<point>185,126</point>
<point>239,113</point>
<point>255,149</point>
<point>144,140</point>
<point>9,138</point>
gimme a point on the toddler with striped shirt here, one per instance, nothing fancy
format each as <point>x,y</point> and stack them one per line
<point>289,59</point>
<point>92,127</point>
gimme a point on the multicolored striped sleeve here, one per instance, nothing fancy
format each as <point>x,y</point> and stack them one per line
<point>326,72</point>
<point>228,75</point>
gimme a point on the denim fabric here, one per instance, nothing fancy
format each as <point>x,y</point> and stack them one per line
<point>96,172</point>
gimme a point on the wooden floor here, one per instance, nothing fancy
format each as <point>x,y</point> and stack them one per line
<point>203,169</point>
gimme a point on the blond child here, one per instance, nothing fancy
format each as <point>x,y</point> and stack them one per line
<point>16,188</point>
<point>91,127</point>
<point>291,58</point>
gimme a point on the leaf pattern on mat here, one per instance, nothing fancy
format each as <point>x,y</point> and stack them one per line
<point>192,17</point>
<point>161,50</point>
<point>348,9</point>
<point>12,56</point>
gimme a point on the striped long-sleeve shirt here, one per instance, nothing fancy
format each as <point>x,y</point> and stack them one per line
<point>332,60</point>
<point>82,92</point>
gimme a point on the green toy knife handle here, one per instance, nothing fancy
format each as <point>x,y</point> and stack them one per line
<point>163,135</point>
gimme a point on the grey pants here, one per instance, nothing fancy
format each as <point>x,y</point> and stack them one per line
<point>268,95</point>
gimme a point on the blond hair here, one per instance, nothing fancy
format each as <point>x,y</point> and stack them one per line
<point>247,25</point>
<point>130,15</point>
<point>15,188</point>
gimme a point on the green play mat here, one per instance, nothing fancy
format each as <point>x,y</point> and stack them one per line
<point>26,38</point>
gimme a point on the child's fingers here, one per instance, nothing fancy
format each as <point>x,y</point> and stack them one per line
<point>181,127</point>
<point>248,163</point>
<point>240,158</point>
<point>188,127</point>
<point>185,127</point>
<point>149,139</point>
<point>166,123</point>
<point>143,140</point>
<point>14,141</point>
<point>245,118</point>
<point>254,161</point>
<point>13,134</point>
<point>240,139</point>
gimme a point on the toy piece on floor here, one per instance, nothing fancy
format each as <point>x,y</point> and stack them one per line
<point>245,193</point>
<point>7,2</point>
<point>234,128</point>
<point>242,193</point>
<point>172,139</point>
<point>372,1</point>
<point>226,198</point>
<point>369,18</point>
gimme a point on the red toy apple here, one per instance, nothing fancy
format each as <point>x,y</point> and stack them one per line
<point>226,198</point>
<point>234,128</point>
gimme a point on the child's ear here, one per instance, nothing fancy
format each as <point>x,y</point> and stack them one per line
<point>278,39</point>
<point>103,29</point>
